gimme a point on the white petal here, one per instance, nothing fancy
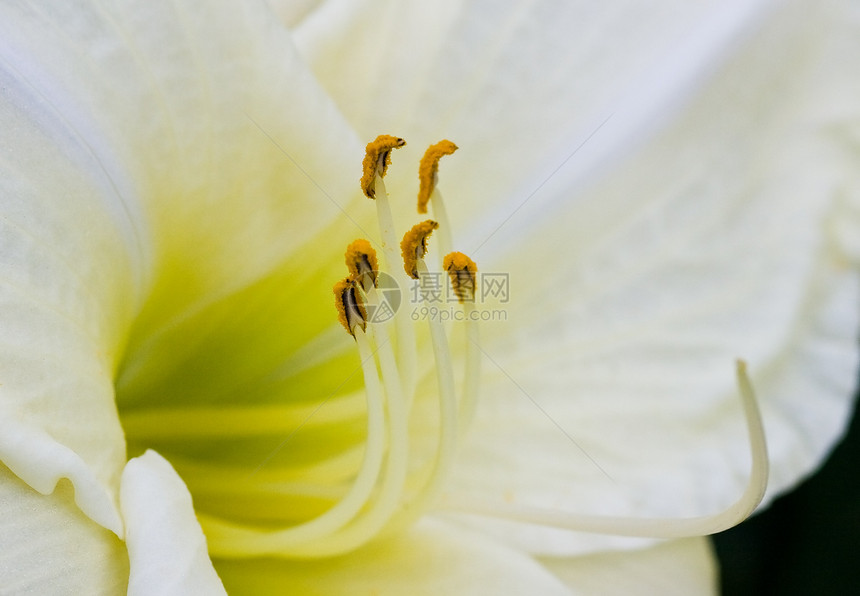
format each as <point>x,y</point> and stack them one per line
<point>675,568</point>
<point>292,12</point>
<point>67,289</point>
<point>711,243</point>
<point>47,546</point>
<point>166,547</point>
<point>838,87</point>
<point>432,558</point>
<point>235,152</point>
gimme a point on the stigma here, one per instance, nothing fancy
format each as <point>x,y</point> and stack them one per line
<point>377,158</point>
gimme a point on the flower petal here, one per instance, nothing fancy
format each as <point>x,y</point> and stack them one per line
<point>166,547</point>
<point>68,268</point>
<point>47,546</point>
<point>292,12</point>
<point>432,558</point>
<point>679,567</point>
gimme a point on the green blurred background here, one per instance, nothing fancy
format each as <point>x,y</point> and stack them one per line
<point>808,541</point>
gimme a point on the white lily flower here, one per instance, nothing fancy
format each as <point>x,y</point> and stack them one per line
<point>666,188</point>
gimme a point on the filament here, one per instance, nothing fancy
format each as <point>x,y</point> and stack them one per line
<point>649,527</point>
<point>448,425</point>
<point>472,373</point>
<point>406,354</point>
<point>440,214</point>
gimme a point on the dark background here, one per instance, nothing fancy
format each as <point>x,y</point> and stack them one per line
<point>807,542</point>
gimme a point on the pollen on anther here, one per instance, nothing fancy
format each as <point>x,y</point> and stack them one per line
<point>463,272</point>
<point>377,157</point>
<point>350,308</point>
<point>414,245</point>
<point>361,262</point>
<point>429,169</point>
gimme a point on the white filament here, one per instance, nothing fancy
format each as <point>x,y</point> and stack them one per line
<point>448,426</point>
<point>403,327</point>
<point>649,527</point>
<point>472,373</point>
<point>386,503</point>
<point>440,214</point>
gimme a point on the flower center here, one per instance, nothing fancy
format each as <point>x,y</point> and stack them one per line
<point>308,460</point>
<point>291,441</point>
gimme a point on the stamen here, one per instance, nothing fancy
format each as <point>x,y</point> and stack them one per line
<point>428,171</point>
<point>376,497</point>
<point>376,161</point>
<point>377,158</point>
<point>448,424</point>
<point>463,272</point>
<point>413,247</point>
<point>428,175</point>
<point>343,528</point>
<point>650,527</point>
<point>362,264</point>
<point>398,446</point>
<point>350,308</point>
<point>387,501</point>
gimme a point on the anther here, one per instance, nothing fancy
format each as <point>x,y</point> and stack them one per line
<point>463,272</point>
<point>428,171</point>
<point>362,264</point>
<point>350,309</point>
<point>377,157</point>
<point>414,245</point>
